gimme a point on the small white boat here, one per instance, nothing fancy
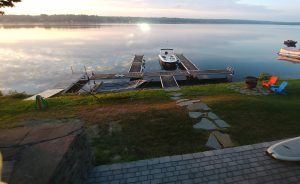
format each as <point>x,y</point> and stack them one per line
<point>290,52</point>
<point>288,150</point>
<point>168,59</point>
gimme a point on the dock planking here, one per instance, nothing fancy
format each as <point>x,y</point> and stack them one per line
<point>69,84</point>
<point>158,74</point>
<point>187,64</point>
<point>137,64</point>
<point>73,83</point>
<point>168,81</point>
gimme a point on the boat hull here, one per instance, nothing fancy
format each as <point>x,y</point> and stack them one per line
<point>290,53</point>
<point>168,65</point>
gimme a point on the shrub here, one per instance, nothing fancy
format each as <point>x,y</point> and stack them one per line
<point>18,95</point>
<point>264,76</point>
<point>1,94</point>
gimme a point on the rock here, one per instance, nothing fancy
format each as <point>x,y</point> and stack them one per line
<point>195,115</point>
<point>198,107</point>
<point>212,116</point>
<point>177,94</point>
<point>182,104</point>
<point>175,98</point>
<point>223,139</point>
<point>205,124</point>
<point>213,143</point>
<point>195,101</point>
<point>181,100</point>
<point>222,124</point>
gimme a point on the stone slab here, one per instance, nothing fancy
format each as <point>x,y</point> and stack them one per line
<point>195,101</point>
<point>36,151</point>
<point>198,107</point>
<point>175,98</point>
<point>223,139</point>
<point>195,115</point>
<point>183,104</point>
<point>213,143</point>
<point>222,124</point>
<point>182,100</point>
<point>205,124</point>
<point>177,94</point>
<point>213,116</point>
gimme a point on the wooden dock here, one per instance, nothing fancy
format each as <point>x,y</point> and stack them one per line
<point>69,84</point>
<point>137,64</point>
<point>73,83</point>
<point>99,76</point>
<point>186,64</point>
<point>168,81</point>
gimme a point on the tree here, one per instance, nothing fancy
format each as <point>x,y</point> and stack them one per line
<point>7,3</point>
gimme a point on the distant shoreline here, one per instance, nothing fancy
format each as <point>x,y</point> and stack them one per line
<point>102,20</point>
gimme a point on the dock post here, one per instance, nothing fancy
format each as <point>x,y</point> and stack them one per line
<point>230,75</point>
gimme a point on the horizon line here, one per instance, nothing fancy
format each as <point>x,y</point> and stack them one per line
<point>271,21</point>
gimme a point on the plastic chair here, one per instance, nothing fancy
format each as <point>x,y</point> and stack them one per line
<point>279,89</point>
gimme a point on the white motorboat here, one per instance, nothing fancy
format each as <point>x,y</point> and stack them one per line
<point>168,59</point>
<point>290,53</point>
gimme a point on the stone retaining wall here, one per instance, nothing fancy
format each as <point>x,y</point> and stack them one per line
<point>75,164</point>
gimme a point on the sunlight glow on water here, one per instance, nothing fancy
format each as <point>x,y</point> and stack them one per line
<point>34,59</point>
<point>145,27</point>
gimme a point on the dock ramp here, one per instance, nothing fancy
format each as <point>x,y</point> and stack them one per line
<point>168,81</point>
<point>137,64</point>
<point>46,94</point>
<point>186,64</point>
<point>69,84</point>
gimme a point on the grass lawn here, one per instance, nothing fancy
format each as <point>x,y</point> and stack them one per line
<point>146,124</point>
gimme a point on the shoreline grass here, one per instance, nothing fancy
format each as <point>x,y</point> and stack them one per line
<point>149,124</point>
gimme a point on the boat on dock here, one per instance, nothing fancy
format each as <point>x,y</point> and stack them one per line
<point>290,53</point>
<point>168,59</point>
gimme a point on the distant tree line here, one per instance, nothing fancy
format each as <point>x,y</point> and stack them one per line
<point>81,19</point>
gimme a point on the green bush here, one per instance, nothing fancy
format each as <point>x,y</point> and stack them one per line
<point>17,95</point>
<point>264,76</point>
<point>1,94</point>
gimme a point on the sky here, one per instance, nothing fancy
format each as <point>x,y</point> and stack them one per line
<point>275,10</point>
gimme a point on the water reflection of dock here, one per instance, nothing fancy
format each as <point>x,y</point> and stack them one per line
<point>289,59</point>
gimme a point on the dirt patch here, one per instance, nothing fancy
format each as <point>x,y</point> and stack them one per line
<point>101,113</point>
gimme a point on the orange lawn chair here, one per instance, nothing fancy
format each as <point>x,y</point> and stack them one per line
<point>273,80</point>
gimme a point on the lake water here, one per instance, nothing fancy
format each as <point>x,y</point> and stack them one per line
<point>34,59</point>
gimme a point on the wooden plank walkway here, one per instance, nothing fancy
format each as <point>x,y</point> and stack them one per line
<point>137,64</point>
<point>168,81</point>
<point>69,81</point>
<point>187,64</point>
<point>69,84</point>
<point>46,94</point>
<point>158,74</point>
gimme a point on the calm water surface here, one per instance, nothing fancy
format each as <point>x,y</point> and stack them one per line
<point>34,59</point>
